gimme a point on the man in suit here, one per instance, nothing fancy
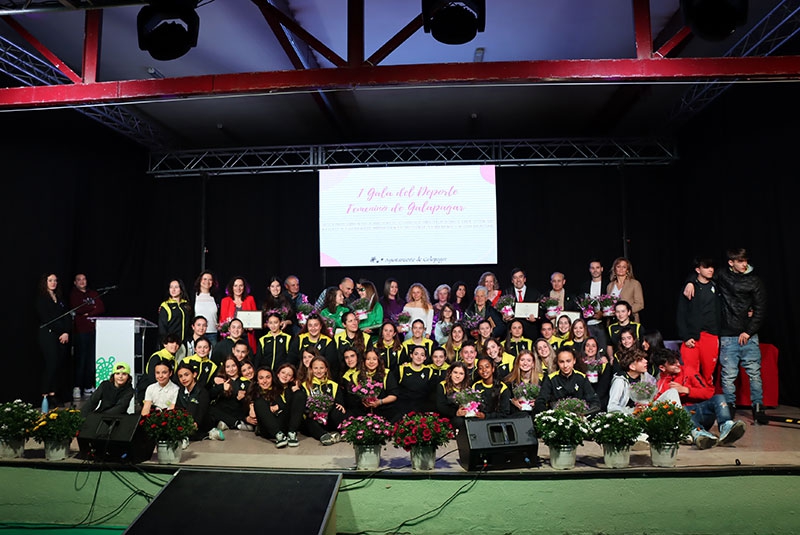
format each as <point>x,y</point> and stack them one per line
<point>594,287</point>
<point>523,294</point>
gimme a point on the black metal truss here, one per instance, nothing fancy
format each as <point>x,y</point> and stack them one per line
<point>508,152</point>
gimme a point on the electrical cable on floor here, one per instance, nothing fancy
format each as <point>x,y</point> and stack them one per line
<point>466,487</point>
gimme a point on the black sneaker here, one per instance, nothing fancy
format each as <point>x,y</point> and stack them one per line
<point>281,441</point>
<point>293,442</point>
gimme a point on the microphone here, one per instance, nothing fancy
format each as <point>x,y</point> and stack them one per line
<point>106,288</point>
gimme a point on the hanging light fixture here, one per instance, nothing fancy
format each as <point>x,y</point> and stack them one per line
<point>168,29</point>
<point>454,22</point>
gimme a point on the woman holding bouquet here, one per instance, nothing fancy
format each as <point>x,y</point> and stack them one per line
<point>324,404</point>
<point>389,347</point>
<point>496,396</point>
<point>237,297</point>
<point>455,381</point>
<point>592,356</point>
<point>525,371</point>
<point>333,308</point>
<point>277,301</point>
<point>444,322</point>
<point>373,310</point>
<point>375,387</point>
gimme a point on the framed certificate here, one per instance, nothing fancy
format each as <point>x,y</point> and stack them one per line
<point>251,319</point>
<point>523,310</point>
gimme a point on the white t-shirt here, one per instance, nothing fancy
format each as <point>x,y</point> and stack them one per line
<point>162,397</point>
<point>205,306</point>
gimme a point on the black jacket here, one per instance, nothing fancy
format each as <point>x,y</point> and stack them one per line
<point>741,292</point>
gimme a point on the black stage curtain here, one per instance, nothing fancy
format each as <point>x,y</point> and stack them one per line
<point>78,199</point>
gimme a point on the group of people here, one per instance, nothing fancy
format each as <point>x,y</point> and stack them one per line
<point>309,364</point>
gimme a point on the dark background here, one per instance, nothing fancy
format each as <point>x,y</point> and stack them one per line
<point>78,199</point>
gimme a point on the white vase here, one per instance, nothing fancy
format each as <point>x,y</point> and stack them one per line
<point>423,457</point>
<point>592,376</point>
<point>664,455</point>
<point>525,405</point>
<point>619,458</point>
<point>368,456</point>
<point>563,457</point>
<point>166,454</point>
<point>12,448</point>
<point>56,450</point>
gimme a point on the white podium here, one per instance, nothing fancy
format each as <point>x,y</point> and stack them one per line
<point>118,340</point>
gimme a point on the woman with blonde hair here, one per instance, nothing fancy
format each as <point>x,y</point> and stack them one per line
<point>418,306</point>
<point>625,287</point>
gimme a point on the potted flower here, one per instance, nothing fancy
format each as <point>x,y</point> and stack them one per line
<point>56,429</point>
<point>593,368</point>
<point>526,394</point>
<point>563,431</point>
<point>576,405</point>
<point>468,399</point>
<point>368,389</point>
<point>616,432</point>
<point>367,434</point>
<point>588,305</point>
<point>607,302</point>
<point>360,307</point>
<point>403,322</point>
<point>17,418</point>
<point>304,310</point>
<point>643,392</point>
<point>170,429</point>
<point>506,305</point>
<point>318,404</point>
<point>421,433</point>
<point>665,424</point>
<point>551,306</point>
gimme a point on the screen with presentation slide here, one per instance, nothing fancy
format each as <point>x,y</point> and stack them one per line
<point>407,216</point>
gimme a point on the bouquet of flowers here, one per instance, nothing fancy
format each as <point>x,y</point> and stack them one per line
<point>665,422</point>
<point>578,406</point>
<point>225,326</point>
<point>551,305</point>
<point>283,312</point>
<point>525,393</point>
<point>328,325</point>
<point>559,427</point>
<point>469,399</point>
<point>168,425</point>
<point>445,328</point>
<point>506,305</point>
<point>318,405</point>
<point>304,310</point>
<point>403,322</point>
<point>593,368</point>
<point>360,307</point>
<point>366,430</point>
<point>368,390</point>
<point>607,302</point>
<point>470,320</point>
<point>615,430</point>
<point>643,391</point>
<point>422,429</point>
<point>17,418</point>
<point>588,305</point>
<point>57,424</point>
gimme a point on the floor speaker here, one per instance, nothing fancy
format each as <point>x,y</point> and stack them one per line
<point>114,438</point>
<point>498,444</point>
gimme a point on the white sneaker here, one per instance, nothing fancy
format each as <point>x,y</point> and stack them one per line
<point>76,393</point>
<point>244,426</point>
<point>216,434</point>
<point>222,426</point>
<point>87,392</point>
<point>185,443</point>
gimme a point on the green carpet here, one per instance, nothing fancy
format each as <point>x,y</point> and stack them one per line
<point>33,499</point>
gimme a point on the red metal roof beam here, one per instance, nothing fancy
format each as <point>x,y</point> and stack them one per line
<point>93,30</point>
<point>642,30</point>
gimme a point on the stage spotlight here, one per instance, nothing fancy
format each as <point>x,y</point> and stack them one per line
<point>168,28</point>
<point>454,23</point>
<point>714,20</point>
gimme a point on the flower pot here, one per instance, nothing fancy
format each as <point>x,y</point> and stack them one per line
<point>12,448</point>
<point>617,458</point>
<point>608,311</point>
<point>167,454</point>
<point>664,455</point>
<point>563,457</point>
<point>592,375</point>
<point>423,457</point>
<point>56,450</point>
<point>552,312</point>
<point>525,405</point>
<point>368,456</point>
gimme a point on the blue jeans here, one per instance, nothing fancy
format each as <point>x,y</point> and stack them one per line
<point>704,413</point>
<point>748,356</point>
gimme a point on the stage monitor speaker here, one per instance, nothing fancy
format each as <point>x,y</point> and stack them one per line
<point>498,444</point>
<point>114,438</point>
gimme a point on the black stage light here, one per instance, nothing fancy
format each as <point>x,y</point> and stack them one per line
<point>714,20</point>
<point>168,28</point>
<point>454,22</point>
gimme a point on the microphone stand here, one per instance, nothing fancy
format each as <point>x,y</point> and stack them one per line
<point>72,310</point>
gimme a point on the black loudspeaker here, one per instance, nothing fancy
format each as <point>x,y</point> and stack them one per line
<point>498,444</point>
<point>118,438</point>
